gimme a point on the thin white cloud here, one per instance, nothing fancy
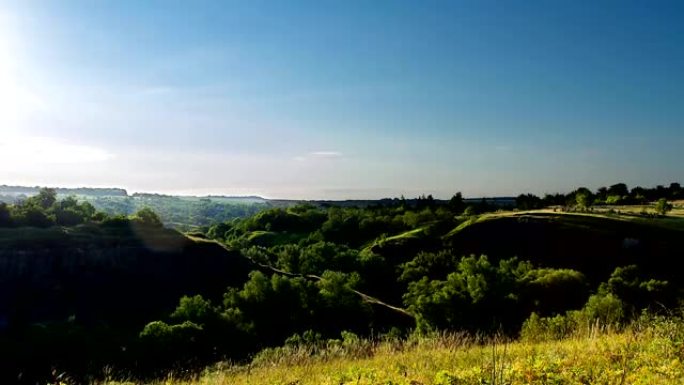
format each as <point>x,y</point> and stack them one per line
<point>319,155</point>
<point>326,154</point>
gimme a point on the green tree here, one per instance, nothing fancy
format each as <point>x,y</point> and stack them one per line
<point>194,309</point>
<point>662,207</point>
<point>556,290</point>
<point>528,202</point>
<point>219,231</point>
<point>619,189</point>
<point>456,203</point>
<point>478,295</point>
<point>32,215</point>
<point>606,308</point>
<point>426,264</point>
<point>166,346</point>
<point>45,199</point>
<point>69,212</point>
<point>583,198</point>
<point>147,217</point>
<point>337,287</point>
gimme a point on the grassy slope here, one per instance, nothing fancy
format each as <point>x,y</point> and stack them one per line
<point>593,243</point>
<point>415,233</point>
<point>674,220</point>
<point>647,356</point>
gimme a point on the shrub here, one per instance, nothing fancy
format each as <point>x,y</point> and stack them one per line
<point>662,207</point>
<point>537,328</point>
<point>147,217</point>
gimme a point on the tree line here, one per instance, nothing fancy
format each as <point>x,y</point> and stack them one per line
<point>45,210</point>
<point>617,194</point>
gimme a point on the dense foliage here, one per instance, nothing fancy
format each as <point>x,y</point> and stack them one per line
<point>401,266</point>
<point>45,210</point>
<point>185,213</point>
<point>617,194</point>
<point>314,261</point>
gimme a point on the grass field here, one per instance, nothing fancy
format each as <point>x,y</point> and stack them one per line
<point>673,220</point>
<point>648,354</point>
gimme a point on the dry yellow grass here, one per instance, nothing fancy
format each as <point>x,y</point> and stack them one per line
<point>651,356</point>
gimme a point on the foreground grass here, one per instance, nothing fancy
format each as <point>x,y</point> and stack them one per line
<point>651,355</point>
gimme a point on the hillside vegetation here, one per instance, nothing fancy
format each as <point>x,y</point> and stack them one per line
<point>76,296</point>
<point>649,351</point>
<point>179,212</point>
<point>125,298</point>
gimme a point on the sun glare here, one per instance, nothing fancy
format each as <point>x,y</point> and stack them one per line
<point>16,99</point>
<point>6,69</point>
<point>24,150</point>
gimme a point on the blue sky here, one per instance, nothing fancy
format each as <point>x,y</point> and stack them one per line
<point>341,99</point>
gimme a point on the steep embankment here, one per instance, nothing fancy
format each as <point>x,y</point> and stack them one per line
<point>592,244</point>
<point>76,298</point>
<point>96,274</point>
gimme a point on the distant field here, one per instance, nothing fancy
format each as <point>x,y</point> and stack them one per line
<point>673,220</point>
<point>678,210</point>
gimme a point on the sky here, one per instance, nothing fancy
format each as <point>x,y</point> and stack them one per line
<point>341,99</point>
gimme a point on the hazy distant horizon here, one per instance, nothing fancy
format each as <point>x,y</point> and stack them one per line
<point>341,100</point>
<point>237,194</point>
